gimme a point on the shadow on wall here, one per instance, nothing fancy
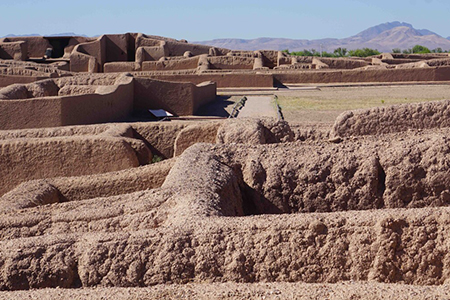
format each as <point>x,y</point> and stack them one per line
<point>96,99</point>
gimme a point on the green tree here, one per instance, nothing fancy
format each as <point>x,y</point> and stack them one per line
<point>365,52</point>
<point>340,52</point>
<point>437,50</point>
<point>396,50</point>
<point>420,49</point>
<point>407,51</point>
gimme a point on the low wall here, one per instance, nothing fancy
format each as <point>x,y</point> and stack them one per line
<point>122,66</point>
<point>6,80</point>
<point>36,45</point>
<point>380,75</point>
<point>27,159</point>
<point>179,64</point>
<point>396,118</point>
<point>231,62</point>
<point>14,50</point>
<point>175,97</point>
<point>204,93</point>
<point>160,136</point>
<point>223,80</point>
<point>109,103</point>
<point>343,63</point>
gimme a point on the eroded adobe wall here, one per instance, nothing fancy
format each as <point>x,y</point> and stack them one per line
<point>108,104</point>
<point>34,105</point>
<point>381,75</point>
<point>26,159</point>
<point>193,228</point>
<point>14,50</point>
<point>395,118</point>
<point>224,80</point>
<point>343,63</point>
<point>76,188</point>
<point>6,80</point>
<point>166,65</point>
<point>175,97</point>
<point>36,45</point>
<point>231,62</point>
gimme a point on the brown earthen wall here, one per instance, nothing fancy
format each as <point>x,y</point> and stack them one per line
<point>36,45</point>
<point>396,118</point>
<point>14,50</point>
<point>343,63</point>
<point>389,75</point>
<point>231,62</point>
<point>180,64</point>
<point>159,136</point>
<point>122,66</point>
<point>223,80</point>
<point>95,49</point>
<point>6,80</point>
<point>178,48</point>
<point>116,47</point>
<point>175,97</point>
<point>26,159</point>
<point>203,93</point>
<point>110,103</point>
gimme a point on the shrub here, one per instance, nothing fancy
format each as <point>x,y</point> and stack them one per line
<point>420,49</point>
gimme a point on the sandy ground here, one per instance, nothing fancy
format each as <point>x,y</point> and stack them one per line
<point>258,106</point>
<point>339,291</point>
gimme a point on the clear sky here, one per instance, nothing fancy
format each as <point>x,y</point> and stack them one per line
<point>197,20</point>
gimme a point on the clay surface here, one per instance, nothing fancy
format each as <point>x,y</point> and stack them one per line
<point>98,199</point>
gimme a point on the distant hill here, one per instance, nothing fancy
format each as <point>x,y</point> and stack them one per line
<point>54,34</point>
<point>383,37</point>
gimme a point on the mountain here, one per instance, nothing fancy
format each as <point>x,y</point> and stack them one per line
<point>36,34</point>
<point>20,35</point>
<point>383,37</point>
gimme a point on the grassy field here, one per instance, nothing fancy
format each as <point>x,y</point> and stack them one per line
<point>325,104</point>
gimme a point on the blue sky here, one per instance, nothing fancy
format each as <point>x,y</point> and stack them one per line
<point>197,20</point>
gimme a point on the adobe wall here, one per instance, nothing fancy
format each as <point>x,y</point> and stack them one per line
<point>121,66</point>
<point>175,97</point>
<point>6,80</point>
<point>64,156</point>
<point>76,188</point>
<point>14,50</point>
<point>379,75</point>
<point>150,53</point>
<point>116,47</point>
<point>89,53</point>
<point>36,45</point>
<point>160,136</point>
<point>166,65</point>
<point>270,58</point>
<point>108,104</point>
<point>395,118</point>
<point>179,48</point>
<point>223,80</point>
<point>343,63</point>
<point>203,93</point>
<point>231,62</point>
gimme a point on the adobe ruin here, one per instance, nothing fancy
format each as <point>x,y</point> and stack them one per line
<point>235,203</point>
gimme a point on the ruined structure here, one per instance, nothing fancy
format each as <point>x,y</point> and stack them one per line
<point>84,202</point>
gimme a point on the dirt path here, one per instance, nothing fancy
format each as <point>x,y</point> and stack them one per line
<point>258,106</point>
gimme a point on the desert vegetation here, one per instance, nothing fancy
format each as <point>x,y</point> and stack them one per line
<point>363,52</point>
<point>339,52</point>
